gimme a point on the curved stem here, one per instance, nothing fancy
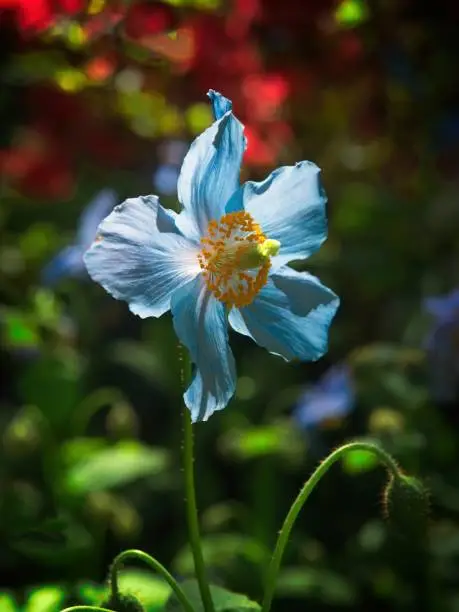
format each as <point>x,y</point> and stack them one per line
<point>155,565</point>
<point>86,609</point>
<point>190,494</point>
<point>321,470</point>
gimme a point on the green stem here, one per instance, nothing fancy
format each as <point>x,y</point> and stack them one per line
<point>284,534</point>
<point>86,609</point>
<point>190,496</point>
<point>155,565</point>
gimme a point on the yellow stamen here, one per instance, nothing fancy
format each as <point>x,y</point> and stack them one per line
<point>235,258</point>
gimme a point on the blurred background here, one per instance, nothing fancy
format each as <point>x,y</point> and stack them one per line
<point>99,100</point>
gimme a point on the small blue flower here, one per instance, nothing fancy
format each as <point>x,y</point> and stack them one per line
<point>333,397</point>
<point>222,260</point>
<point>442,345</point>
<point>69,261</point>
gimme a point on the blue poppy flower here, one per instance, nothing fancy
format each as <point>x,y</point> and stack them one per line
<point>222,260</point>
<point>333,397</point>
<point>442,346</point>
<point>69,261</point>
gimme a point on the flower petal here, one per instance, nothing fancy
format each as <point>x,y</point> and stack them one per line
<point>290,316</point>
<point>201,325</point>
<point>220,104</point>
<point>136,258</point>
<point>290,207</point>
<point>210,174</point>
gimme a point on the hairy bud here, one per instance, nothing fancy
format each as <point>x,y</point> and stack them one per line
<point>406,504</point>
<point>122,603</point>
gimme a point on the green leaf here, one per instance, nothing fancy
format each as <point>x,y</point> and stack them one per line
<point>54,548</point>
<point>77,450</point>
<point>7,603</point>
<point>222,551</point>
<point>19,331</point>
<point>224,601</point>
<point>151,590</point>
<point>114,466</point>
<point>52,384</point>
<point>90,593</point>
<point>45,599</point>
<point>323,585</point>
<point>280,438</point>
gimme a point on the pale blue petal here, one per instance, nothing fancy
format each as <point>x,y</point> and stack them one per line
<point>93,214</point>
<point>68,262</point>
<point>210,175</point>
<point>290,316</point>
<point>137,259</point>
<point>201,325</point>
<point>290,207</point>
<point>220,104</point>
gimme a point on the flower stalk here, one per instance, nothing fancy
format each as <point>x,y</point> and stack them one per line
<point>190,493</point>
<point>310,484</point>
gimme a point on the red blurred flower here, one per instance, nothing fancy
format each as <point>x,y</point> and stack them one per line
<point>147,18</point>
<point>38,167</point>
<point>37,15</point>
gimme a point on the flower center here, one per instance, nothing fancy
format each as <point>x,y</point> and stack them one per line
<point>235,258</point>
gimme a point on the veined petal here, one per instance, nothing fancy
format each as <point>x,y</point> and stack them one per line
<point>220,104</point>
<point>210,174</point>
<point>290,316</point>
<point>136,258</point>
<point>290,207</point>
<point>201,325</point>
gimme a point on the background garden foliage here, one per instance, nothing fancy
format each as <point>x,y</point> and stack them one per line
<point>99,101</point>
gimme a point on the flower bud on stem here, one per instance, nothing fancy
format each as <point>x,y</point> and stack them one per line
<point>303,495</point>
<point>406,505</point>
<point>115,597</point>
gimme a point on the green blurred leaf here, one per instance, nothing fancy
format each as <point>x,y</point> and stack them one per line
<point>45,599</point>
<point>323,585</point>
<point>224,601</point>
<point>52,384</point>
<point>357,461</point>
<point>351,13</point>
<point>382,354</point>
<point>151,590</point>
<point>90,592</point>
<point>18,330</point>
<point>222,551</point>
<point>280,438</point>
<point>115,466</point>
<point>78,449</point>
<point>55,548</point>
<point>7,603</point>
